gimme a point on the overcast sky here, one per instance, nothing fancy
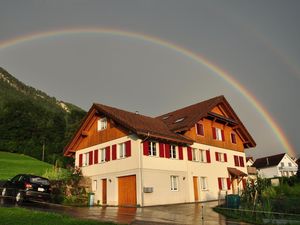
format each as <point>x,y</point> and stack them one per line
<point>256,42</point>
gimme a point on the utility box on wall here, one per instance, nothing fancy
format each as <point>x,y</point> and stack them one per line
<point>148,189</point>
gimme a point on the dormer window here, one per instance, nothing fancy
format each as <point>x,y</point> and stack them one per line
<point>165,117</point>
<point>102,124</point>
<point>179,120</point>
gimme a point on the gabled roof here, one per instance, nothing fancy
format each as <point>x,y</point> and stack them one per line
<point>268,161</point>
<point>142,125</point>
<point>185,118</point>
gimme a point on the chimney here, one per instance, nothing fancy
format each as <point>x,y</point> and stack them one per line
<point>267,161</point>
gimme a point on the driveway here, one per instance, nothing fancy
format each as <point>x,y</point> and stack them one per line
<point>170,214</point>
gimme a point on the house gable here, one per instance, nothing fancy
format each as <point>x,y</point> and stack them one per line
<point>88,134</point>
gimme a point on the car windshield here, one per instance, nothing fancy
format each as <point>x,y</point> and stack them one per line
<point>39,180</point>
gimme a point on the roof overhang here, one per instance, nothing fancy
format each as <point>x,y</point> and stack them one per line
<point>236,172</point>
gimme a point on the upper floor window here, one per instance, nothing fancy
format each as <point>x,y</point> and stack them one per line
<point>203,155</point>
<point>102,124</point>
<point>290,164</point>
<point>85,159</point>
<point>218,134</point>
<point>233,138</point>
<point>200,129</point>
<point>195,154</point>
<point>173,154</point>
<point>174,183</point>
<point>221,157</point>
<point>122,151</point>
<point>102,154</point>
<point>282,164</point>
<point>239,161</point>
<point>152,148</point>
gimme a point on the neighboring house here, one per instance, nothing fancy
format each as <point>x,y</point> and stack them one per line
<point>280,165</point>
<point>251,170</point>
<point>192,154</point>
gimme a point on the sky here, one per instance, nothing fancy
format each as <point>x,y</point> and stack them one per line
<point>256,43</point>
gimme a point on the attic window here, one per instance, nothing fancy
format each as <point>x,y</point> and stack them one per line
<point>179,120</point>
<point>102,124</point>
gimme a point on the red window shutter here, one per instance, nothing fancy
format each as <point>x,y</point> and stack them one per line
<point>228,183</point>
<point>96,156</point>
<point>114,152</point>
<point>146,148</point>
<point>80,160</point>
<point>244,183</point>
<point>189,153</point>
<point>180,153</point>
<point>220,183</point>
<point>217,156</point>
<point>236,160</point>
<point>223,136</point>
<point>241,161</point>
<point>167,150</point>
<point>208,156</point>
<point>214,133</point>
<point>107,153</point>
<point>225,157</point>
<point>91,158</point>
<point>161,150</point>
<point>128,148</point>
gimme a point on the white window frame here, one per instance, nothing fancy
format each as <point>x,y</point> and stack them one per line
<point>121,151</point>
<point>195,154</point>
<point>86,158</point>
<point>102,124</point>
<point>218,134</point>
<point>152,148</point>
<point>202,156</point>
<point>221,157</point>
<point>203,181</point>
<point>95,185</point>
<point>224,183</point>
<point>174,183</point>
<point>173,152</point>
<point>102,155</point>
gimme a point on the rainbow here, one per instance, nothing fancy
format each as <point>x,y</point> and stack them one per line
<point>178,49</point>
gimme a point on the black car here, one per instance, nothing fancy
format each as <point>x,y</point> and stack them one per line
<point>27,187</point>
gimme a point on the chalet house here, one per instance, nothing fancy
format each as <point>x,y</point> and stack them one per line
<point>280,165</point>
<point>192,154</point>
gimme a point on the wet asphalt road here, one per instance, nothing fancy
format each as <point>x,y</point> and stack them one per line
<point>195,213</point>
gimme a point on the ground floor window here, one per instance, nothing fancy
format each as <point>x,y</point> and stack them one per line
<point>203,181</point>
<point>94,185</point>
<point>174,183</point>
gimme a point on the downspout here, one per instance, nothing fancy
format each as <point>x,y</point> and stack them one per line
<point>141,169</point>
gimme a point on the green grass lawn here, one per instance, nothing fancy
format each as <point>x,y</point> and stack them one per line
<point>20,216</point>
<point>12,164</point>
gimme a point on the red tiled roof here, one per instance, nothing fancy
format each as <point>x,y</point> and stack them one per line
<point>142,125</point>
<point>185,118</point>
<point>268,161</point>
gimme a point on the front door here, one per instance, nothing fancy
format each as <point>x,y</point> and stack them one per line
<point>104,191</point>
<point>196,194</point>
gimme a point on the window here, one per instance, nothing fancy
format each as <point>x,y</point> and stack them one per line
<point>174,183</point>
<point>233,138</point>
<point>152,148</point>
<point>282,164</point>
<point>239,161</point>
<point>221,157</point>
<point>173,154</point>
<point>86,159</point>
<point>203,181</point>
<point>195,154</point>
<point>102,124</point>
<point>222,183</point>
<point>290,164</point>
<point>94,185</point>
<point>102,154</point>
<point>179,120</point>
<point>200,129</point>
<point>122,151</point>
<point>218,134</point>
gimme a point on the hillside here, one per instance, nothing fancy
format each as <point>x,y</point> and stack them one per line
<point>12,164</point>
<point>29,119</point>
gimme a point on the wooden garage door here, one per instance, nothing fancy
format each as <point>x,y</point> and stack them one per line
<point>127,190</point>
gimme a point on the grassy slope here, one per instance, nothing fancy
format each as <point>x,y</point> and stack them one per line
<point>12,164</point>
<point>20,216</point>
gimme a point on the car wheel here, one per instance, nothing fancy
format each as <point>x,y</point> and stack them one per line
<point>19,198</point>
